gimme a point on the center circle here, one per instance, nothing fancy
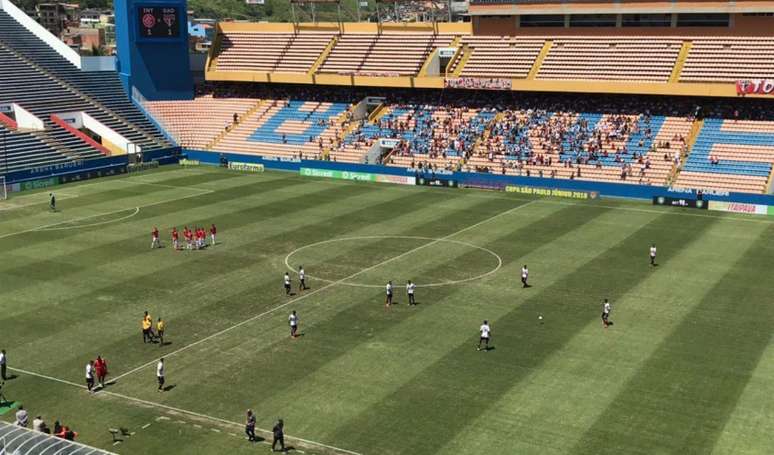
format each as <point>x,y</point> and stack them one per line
<point>430,240</point>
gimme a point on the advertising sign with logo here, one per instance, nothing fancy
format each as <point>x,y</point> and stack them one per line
<point>755,87</point>
<point>553,192</point>
<point>245,167</point>
<point>357,176</point>
<point>680,202</point>
<point>447,52</point>
<point>738,207</point>
<point>437,181</point>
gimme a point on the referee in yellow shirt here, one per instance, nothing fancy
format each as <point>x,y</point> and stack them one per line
<point>147,325</point>
<point>160,326</point>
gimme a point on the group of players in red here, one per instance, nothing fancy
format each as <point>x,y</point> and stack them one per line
<point>195,239</point>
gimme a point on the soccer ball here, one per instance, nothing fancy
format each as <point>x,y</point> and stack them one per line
<point>540,317</point>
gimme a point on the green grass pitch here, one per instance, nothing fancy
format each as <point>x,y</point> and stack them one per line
<point>686,368</point>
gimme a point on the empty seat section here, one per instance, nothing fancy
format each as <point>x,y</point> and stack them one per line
<point>502,56</point>
<point>383,54</point>
<point>197,123</point>
<point>637,59</point>
<point>718,59</point>
<point>271,52</point>
<point>730,155</point>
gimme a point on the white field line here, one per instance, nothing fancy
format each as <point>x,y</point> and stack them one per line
<point>178,410</point>
<point>318,290</point>
<point>48,227</point>
<point>44,200</point>
<point>410,237</point>
<point>99,223</point>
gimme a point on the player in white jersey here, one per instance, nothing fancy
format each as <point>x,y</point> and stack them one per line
<point>388,294</point>
<point>293,321</point>
<point>301,279</point>
<point>90,376</point>
<point>653,255</point>
<point>160,374</point>
<point>410,287</point>
<point>486,333</point>
<point>524,276</point>
<point>606,308</point>
<point>287,284</point>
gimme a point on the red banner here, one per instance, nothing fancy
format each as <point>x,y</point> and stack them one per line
<point>755,87</point>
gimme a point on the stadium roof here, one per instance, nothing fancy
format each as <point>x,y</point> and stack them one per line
<point>16,440</point>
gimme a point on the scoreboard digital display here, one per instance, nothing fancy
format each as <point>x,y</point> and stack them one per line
<point>159,22</point>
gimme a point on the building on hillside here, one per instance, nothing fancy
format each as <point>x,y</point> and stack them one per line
<point>57,17</point>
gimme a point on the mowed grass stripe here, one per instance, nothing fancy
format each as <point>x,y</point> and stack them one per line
<point>151,200</point>
<point>201,322</point>
<point>253,347</point>
<point>412,218</point>
<point>113,245</point>
<point>475,393</point>
<point>582,379</point>
<point>694,370</point>
<point>384,350</point>
<point>748,429</point>
<point>141,289</point>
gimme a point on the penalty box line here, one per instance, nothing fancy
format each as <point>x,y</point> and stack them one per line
<point>178,410</point>
<point>321,289</point>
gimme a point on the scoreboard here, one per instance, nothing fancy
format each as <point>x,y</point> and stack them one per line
<point>158,21</point>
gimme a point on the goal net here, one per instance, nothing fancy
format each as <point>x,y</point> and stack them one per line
<point>3,189</point>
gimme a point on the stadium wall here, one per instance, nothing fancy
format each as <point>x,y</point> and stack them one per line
<point>492,181</point>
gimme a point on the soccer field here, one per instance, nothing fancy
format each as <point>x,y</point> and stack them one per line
<point>687,366</point>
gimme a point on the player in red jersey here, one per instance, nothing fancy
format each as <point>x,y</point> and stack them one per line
<point>213,231</point>
<point>175,238</point>
<point>155,238</point>
<point>187,235</point>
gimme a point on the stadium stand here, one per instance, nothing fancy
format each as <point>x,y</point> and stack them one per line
<point>18,440</point>
<point>722,59</point>
<point>23,151</point>
<point>640,59</point>
<point>499,56</point>
<point>730,155</point>
<point>197,123</point>
<point>276,52</point>
<point>382,54</point>
<point>43,82</point>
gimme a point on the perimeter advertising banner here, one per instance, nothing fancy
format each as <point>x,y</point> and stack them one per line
<point>738,207</point>
<point>680,202</point>
<point>437,181</point>
<point>245,167</point>
<point>554,192</point>
<point>358,176</point>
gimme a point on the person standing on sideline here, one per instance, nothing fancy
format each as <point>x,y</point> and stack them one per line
<point>653,255</point>
<point>279,436</point>
<point>3,365</point>
<point>388,292</point>
<point>606,308</point>
<point>293,321</point>
<point>22,419</point>
<point>524,276</point>
<point>100,368</point>
<point>410,287</point>
<point>213,231</point>
<point>160,327</point>
<point>287,284</point>
<point>301,279</point>
<point>160,374</point>
<point>250,426</point>
<point>52,202</point>
<point>486,333</point>
<point>90,376</point>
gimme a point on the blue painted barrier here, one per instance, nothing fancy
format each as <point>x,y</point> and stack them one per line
<point>622,190</point>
